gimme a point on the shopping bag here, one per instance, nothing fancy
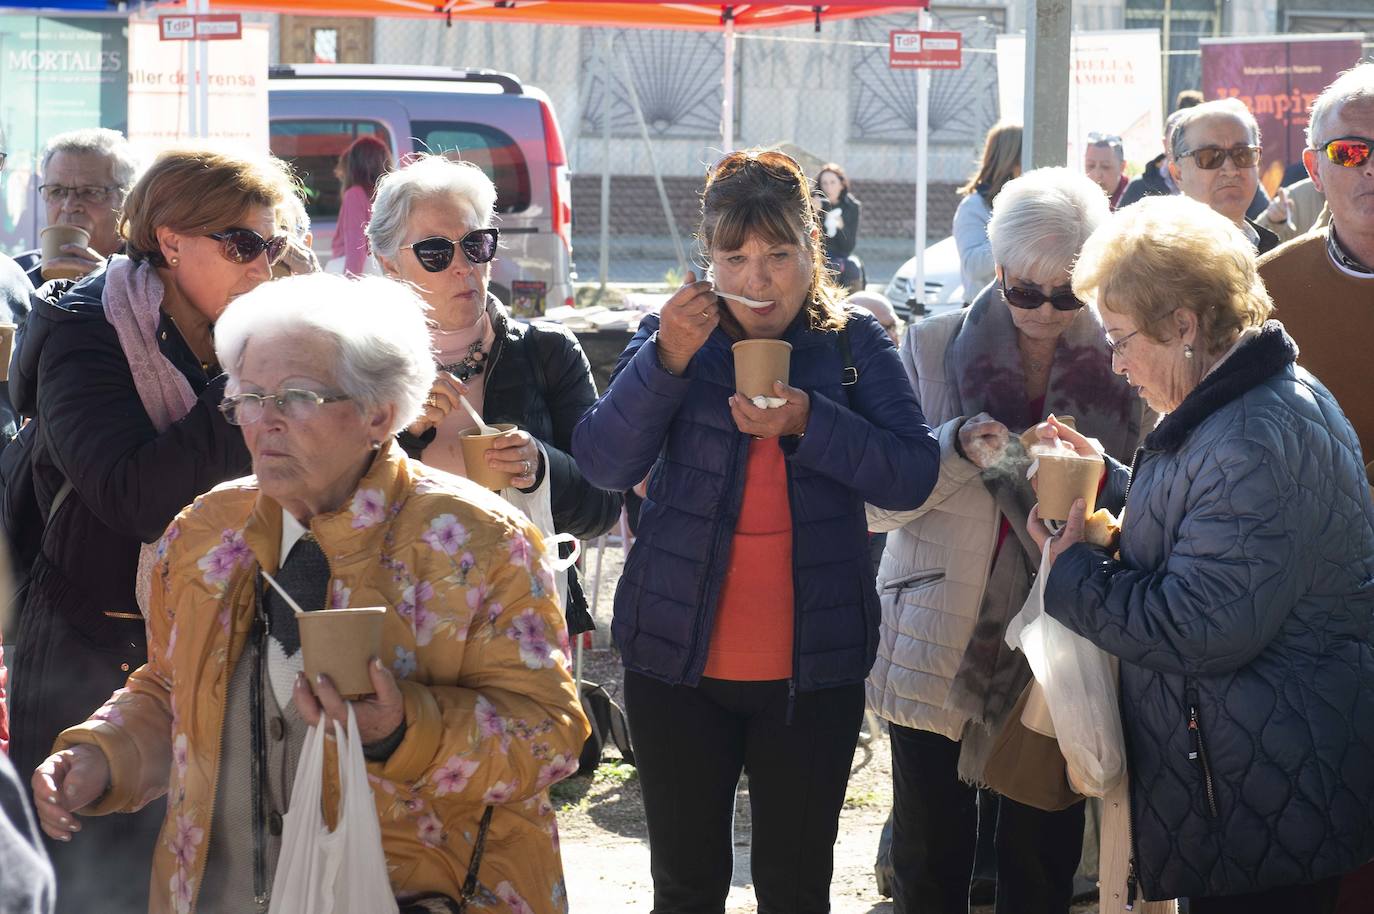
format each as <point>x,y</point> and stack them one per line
<point>1080,685</point>
<point>1027,766</point>
<point>338,872</point>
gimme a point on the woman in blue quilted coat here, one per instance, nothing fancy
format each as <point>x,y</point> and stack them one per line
<point>1240,602</point>
<point>747,616</point>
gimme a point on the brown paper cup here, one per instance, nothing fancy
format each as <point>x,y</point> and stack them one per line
<point>339,643</point>
<point>56,264</point>
<point>475,446</point>
<point>1036,715</point>
<point>758,363</point>
<point>1060,480</point>
<point>1028,437</point>
<point>6,347</point>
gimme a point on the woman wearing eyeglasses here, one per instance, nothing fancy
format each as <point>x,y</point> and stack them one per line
<point>746,617</point>
<point>431,228</point>
<point>119,373</point>
<point>957,569</point>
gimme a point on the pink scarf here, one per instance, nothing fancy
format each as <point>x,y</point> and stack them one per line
<point>133,304</point>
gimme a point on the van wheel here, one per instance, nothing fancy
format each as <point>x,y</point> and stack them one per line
<point>501,292</point>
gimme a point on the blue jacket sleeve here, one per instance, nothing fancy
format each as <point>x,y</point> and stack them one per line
<point>616,442</point>
<point>880,445</point>
<point>1222,593</point>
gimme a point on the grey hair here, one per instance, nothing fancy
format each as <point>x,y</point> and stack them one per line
<point>429,175</point>
<point>100,141</point>
<point>1222,107</point>
<point>1355,84</point>
<point>292,217</point>
<point>377,325</point>
<point>1041,220</point>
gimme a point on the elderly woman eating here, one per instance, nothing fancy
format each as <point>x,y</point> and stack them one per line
<point>472,704</point>
<point>1240,601</point>
<point>955,570</point>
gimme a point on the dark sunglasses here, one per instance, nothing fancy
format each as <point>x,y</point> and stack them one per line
<point>241,245</point>
<point>435,254</point>
<point>777,165</point>
<point>1209,158</point>
<point>1030,299</point>
<point>1349,151</point>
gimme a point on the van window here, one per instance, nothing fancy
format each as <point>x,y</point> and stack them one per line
<point>313,147</point>
<point>493,150</point>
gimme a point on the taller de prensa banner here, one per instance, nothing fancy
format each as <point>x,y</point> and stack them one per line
<point>1114,88</point>
<point>1277,77</point>
<point>56,74</point>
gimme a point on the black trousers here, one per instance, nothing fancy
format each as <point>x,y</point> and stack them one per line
<point>1310,898</point>
<point>691,744</point>
<point>935,833</point>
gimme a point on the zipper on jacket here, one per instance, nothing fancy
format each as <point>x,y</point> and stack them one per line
<point>1199,751</point>
<point>1130,880</point>
<point>796,612</point>
<point>914,581</point>
<point>1130,481</point>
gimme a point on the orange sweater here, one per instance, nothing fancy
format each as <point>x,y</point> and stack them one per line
<point>752,638</point>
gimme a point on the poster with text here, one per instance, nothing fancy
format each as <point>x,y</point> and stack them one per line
<point>237,81</point>
<point>1277,77</point>
<point>56,74</point>
<point>1114,88</point>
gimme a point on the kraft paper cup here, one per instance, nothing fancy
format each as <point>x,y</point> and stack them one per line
<point>1061,479</point>
<point>475,446</point>
<point>339,643</point>
<point>6,347</point>
<point>758,363</point>
<point>59,265</point>
<point>1036,714</point>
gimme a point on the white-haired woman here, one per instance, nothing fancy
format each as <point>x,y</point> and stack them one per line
<point>958,568</point>
<point>473,706</point>
<point>432,228</point>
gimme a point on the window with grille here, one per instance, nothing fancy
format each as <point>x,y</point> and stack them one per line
<point>1181,23</point>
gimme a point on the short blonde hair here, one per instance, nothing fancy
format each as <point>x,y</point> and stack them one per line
<point>196,190</point>
<point>1165,253</point>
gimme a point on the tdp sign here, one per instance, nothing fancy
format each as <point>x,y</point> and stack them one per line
<point>925,50</point>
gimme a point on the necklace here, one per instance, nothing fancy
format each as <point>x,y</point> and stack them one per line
<point>470,365</point>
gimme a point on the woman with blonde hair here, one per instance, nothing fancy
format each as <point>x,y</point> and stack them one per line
<point>1240,600</point>
<point>746,617</point>
<point>1000,163</point>
<point>119,372</point>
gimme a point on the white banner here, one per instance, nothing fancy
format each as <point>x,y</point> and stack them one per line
<point>237,80</point>
<point>1115,89</point>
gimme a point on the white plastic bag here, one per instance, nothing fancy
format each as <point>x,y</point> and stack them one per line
<point>338,872</point>
<point>538,507</point>
<point>1080,684</point>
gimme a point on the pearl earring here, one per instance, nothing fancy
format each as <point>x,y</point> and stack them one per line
<point>174,261</point>
<point>1187,351</point>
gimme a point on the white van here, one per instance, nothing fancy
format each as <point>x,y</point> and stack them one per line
<point>480,116</point>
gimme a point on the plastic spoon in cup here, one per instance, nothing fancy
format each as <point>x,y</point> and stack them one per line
<point>747,302</point>
<point>282,591</point>
<point>481,426</point>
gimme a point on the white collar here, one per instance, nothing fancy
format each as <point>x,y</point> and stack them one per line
<point>291,531</point>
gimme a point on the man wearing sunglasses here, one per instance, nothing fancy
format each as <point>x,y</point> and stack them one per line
<point>1322,283</point>
<point>1214,157</point>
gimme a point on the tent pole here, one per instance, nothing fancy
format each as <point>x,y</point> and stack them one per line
<point>727,104</point>
<point>653,163</point>
<point>203,79</point>
<point>192,95</point>
<point>606,99</point>
<point>918,285</point>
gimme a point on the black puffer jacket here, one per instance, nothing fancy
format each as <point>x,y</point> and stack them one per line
<point>80,632</point>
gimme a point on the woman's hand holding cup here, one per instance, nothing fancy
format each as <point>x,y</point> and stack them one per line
<point>1052,430</point>
<point>788,419</point>
<point>68,781</point>
<point>515,453</point>
<point>378,714</point>
<point>685,322</point>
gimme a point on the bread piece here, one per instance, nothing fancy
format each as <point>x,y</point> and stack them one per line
<point>1101,529</point>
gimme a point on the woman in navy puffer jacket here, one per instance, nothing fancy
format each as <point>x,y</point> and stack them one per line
<point>1240,605</point>
<point>747,616</point>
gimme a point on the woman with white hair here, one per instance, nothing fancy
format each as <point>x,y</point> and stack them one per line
<point>432,228</point>
<point>958,568</point>
<point>473,714</point>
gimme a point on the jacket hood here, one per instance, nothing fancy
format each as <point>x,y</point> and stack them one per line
<point>1256,361</point>
<point>54,302</point>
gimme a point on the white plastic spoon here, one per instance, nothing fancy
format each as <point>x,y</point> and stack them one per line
<point>282,591</point>
<point>747,302</point>
<point>481,426</point>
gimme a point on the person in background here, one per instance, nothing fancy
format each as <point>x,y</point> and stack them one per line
<point>746,616</point>
<point>876,303</point>
<point>839,211</point>
<point>1000,163</point>
<point>14,302</point>
<point>363,163</point>
<point>1295,210</point>
<point>956,569</point>
<point>1155,180</point>
<point>85,176</point>
<point>1214,158</point>
<point>118,371</point>
<point>300,257</point>
<point>1104,161</point>
<point>1241,599</point>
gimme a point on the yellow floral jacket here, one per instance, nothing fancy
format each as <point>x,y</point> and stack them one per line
<point>474,633</point>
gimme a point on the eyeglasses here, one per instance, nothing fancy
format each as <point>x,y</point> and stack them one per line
<point>241,245</point>
<point>294,403</point>
<point>777,165</point>
<point>1118,347</point>
<point>89,194</point>
<point>435,254</point>
<point>1209,158</point>
<point>1030,299</point>
<point>1348,151</point>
